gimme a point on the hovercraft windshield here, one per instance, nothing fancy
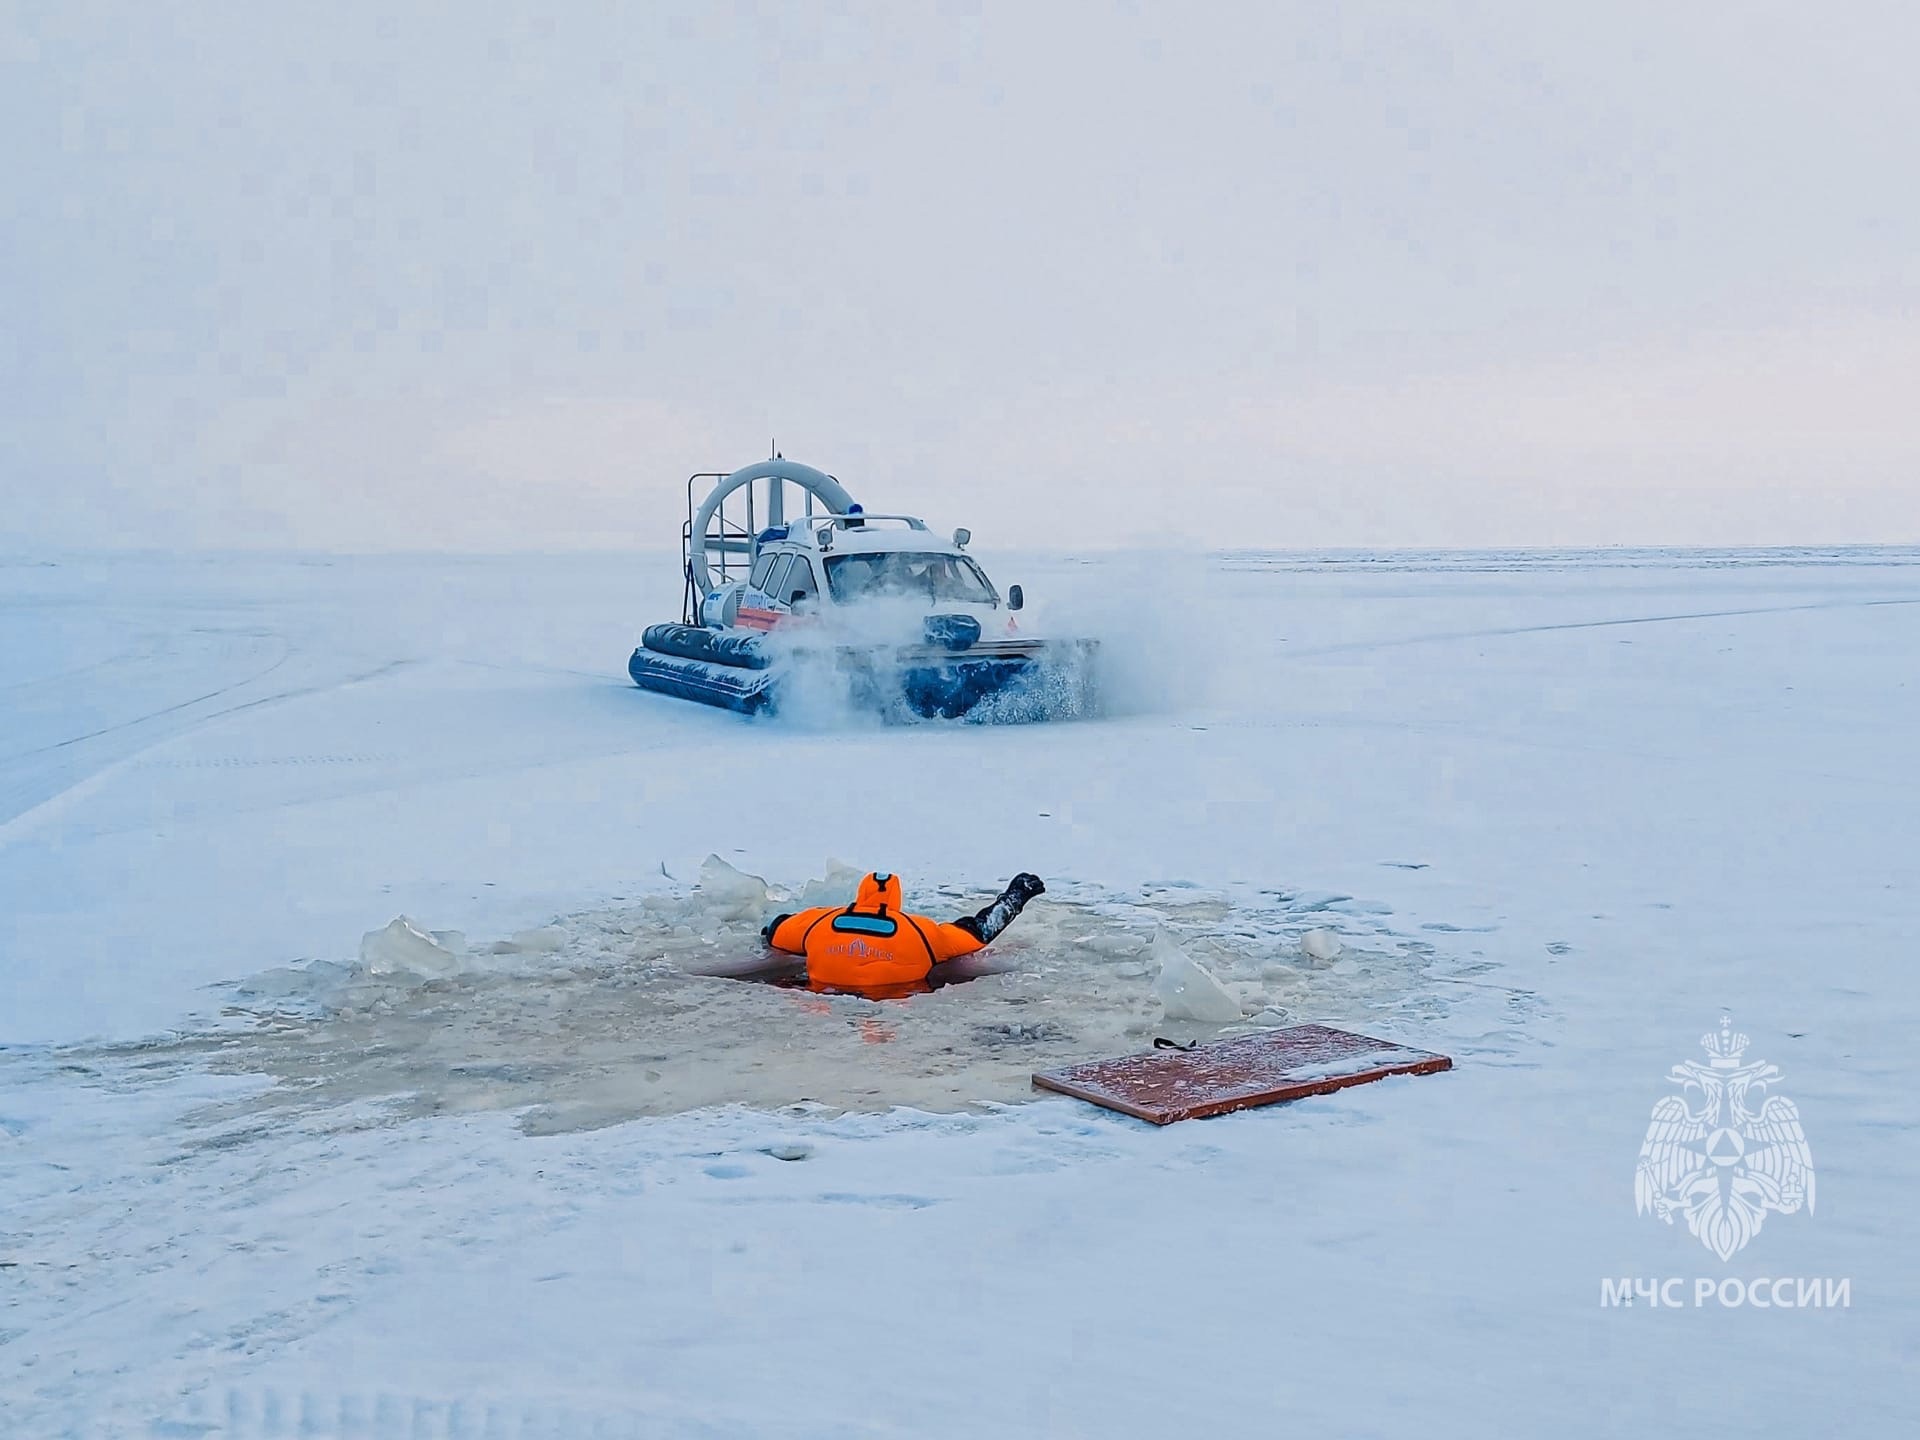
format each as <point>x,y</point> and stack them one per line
<point>908,573</point>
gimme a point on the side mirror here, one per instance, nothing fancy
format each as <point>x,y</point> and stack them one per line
<point>1016,597</point>
<point>961,537</point>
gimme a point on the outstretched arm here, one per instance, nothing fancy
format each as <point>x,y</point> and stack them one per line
<point>986,924</point>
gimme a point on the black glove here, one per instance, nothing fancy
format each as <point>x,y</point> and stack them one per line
<point>1026,885</point>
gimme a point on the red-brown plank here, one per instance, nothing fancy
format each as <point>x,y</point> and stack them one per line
<point>1260,1069</point>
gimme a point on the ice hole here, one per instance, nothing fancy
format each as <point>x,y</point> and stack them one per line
<point>672,1003</point>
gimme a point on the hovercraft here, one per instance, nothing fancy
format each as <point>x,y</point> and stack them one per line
<point>807,594</point>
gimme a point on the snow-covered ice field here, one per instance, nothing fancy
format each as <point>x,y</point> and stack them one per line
<point>1563,811</point>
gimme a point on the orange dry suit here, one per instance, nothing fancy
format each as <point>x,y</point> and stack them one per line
<point>875,948</point>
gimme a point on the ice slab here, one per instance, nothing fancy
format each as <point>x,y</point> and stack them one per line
<point>1323,947</point>
<point>404,947</point>
<point>1187,990</point>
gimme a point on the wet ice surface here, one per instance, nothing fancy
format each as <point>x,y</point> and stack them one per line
<point>644,1009</point>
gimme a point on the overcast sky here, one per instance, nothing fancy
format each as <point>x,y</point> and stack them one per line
<point>476,277</point>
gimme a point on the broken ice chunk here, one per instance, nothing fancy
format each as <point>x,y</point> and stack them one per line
<point>544,941</point>
<point>836,887</point>
<point>732,893</point>
<point>404,947</point>
<point>1185,988</point>
<point>1323,947</point>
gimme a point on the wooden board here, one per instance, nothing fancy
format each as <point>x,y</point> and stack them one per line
<point>1274,1065</point>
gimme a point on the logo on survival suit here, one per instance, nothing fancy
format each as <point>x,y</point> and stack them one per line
<point>856,950</point>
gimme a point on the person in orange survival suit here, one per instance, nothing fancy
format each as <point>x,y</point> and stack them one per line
<point>874,948</point>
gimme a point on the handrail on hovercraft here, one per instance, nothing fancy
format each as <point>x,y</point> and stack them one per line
<point>908,623</point>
